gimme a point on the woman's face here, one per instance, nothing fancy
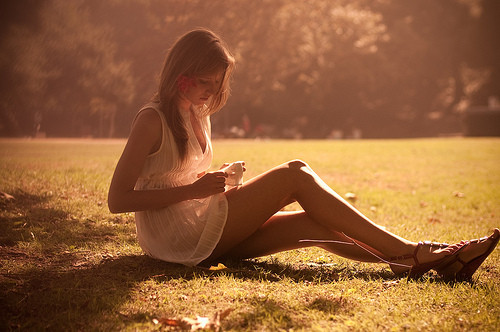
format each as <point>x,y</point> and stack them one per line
<point>200,88</point>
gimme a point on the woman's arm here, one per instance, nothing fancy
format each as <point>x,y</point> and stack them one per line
<point>144,139</point>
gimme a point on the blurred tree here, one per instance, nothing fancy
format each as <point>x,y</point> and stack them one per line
<point>484,53</point>
<point>388,67</point>
<point>14,16</point>
<point>64,66</point>
<point>423,67</point>
<point>298,62</point>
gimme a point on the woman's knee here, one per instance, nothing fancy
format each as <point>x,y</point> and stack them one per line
<point>294,166</point>
<point>300,168</point>
<point>297,172</point>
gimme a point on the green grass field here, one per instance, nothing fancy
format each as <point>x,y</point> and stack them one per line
<point>68,264</point>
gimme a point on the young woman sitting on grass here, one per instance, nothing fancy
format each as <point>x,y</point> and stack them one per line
<point>184,214</point>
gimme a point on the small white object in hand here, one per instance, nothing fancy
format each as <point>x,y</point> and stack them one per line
<point>235,174</point>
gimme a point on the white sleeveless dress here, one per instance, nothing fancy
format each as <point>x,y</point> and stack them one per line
<point>185,232</point>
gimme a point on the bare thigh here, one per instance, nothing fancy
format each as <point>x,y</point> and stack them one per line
<point>254,227</point>
<point>254,203</point>
<point>294,229</point>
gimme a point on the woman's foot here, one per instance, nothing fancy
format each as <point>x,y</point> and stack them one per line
<point>464,263</point>
<point>425,256</point>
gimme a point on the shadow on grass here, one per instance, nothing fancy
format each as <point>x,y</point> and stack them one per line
<point>55,299</point>
<point>32,218</point>
<point>16,214</point>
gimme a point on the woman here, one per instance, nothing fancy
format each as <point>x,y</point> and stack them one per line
<point>185,215</point>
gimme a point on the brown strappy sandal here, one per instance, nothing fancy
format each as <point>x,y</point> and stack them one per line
<point>419,269</point>
<point>470,267</point>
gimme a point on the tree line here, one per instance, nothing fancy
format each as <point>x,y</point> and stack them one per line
<point>322,68</point>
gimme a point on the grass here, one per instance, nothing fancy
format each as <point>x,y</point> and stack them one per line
<point>68,264</point>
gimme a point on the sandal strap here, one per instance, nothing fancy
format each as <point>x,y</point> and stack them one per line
<point>374,254</point>
<point>429,244</point>
<point>454,255</point>
<point>479,240</point>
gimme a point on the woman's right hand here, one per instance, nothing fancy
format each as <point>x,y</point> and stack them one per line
<point>209,184</point>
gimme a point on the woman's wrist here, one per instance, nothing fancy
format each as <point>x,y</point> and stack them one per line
<point>185,193</point>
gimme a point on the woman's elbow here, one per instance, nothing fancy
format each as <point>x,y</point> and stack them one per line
<point>112,208</point>
<point>114,205</point>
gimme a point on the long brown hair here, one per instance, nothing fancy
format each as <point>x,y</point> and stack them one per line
<point>197,52</point>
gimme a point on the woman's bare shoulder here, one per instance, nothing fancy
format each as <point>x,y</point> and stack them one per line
<point>149,117</point>
<point>147,130</point>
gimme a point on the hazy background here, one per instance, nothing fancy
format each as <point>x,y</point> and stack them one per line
<point>311,69</point>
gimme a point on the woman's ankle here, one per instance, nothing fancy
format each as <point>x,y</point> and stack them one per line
<point>403,252</point>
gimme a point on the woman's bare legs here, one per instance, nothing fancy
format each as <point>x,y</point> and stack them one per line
<point>252,228</point>
<point>286,230</point>
<point>251,205</point>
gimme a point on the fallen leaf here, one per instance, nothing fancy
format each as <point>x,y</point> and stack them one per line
<point>107,256</point>
<point>219,317</point>
<point>219,266</point>
<point>80,263</point>
<point>6,196</point>
<point>180,323</point>
<point>200,323</point>
<point>388,284</point>
<point>434,220</point>
<point>351,197</point>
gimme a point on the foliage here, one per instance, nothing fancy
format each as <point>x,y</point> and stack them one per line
<point>68,71</point>
<point>67,264</point>
<point>387,67</point>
